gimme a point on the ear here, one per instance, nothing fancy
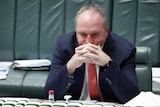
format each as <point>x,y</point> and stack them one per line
<point>107,30</point>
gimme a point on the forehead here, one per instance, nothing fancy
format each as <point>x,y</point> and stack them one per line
<point>89,17</point>
<point>89,13</point>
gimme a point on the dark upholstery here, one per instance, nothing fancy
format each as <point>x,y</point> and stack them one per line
<point>33,84</point>
<point>12,85</point>
<point>143,68</point>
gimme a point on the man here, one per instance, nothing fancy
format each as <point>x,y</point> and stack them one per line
<point>93,42</point>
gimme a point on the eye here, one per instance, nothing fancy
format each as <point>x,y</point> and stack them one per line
<point>83,35</point>
<point>94,34</point>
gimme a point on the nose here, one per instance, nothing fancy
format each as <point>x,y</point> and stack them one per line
<point>89,39</point>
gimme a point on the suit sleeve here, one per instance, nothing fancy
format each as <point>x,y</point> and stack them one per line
<point>58,79</point>
<point>121,77</point>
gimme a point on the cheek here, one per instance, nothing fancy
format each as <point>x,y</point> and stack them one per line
<point>100,41</point>
<point>81,40</point>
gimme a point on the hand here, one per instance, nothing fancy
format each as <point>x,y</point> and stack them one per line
<point>87,53</point>
<point>77,60</point>
<point>93,54</point>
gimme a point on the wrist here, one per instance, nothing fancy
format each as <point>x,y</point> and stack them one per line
<point>70,71</point>
<point>70,76</point>
<point>108,63</point>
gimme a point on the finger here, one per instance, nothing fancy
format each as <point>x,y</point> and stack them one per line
<point>80,47</point>
<point>92,45</point>
<point>81,52</point>
<point>90,56</point>
<point>92,50</point>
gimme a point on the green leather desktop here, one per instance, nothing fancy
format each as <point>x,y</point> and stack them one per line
<point>29,28</point>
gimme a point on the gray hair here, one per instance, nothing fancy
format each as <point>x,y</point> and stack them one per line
<point>94,8</point>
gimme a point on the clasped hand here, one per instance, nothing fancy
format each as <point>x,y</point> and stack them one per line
<point>87,53</point>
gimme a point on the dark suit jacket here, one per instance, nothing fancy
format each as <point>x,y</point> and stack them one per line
<point>118,83</point>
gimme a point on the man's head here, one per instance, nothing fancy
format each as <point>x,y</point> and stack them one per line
<point>90,24</point>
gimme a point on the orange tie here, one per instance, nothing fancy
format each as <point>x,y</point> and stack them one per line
<point>92,82</point>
